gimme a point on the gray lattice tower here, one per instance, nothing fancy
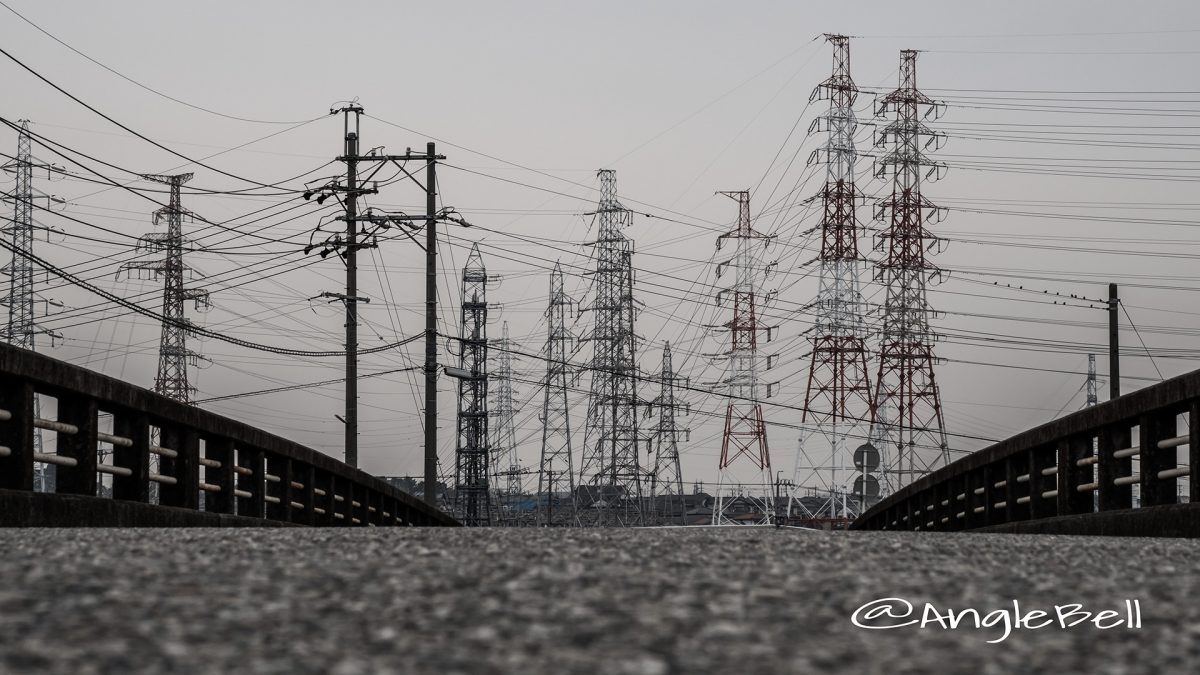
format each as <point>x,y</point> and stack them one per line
<point>666,488</point>
<point>20,270</point>
<point>745,433</point>
<point>905,380</point>
<point>173,353</point>
<point>22,326</point>
<point>610,470</point>
<point>556,472</point>
<point>837,402</point>
<point>1092,396</point>
<point>472,497</point>
<point>506,470</point>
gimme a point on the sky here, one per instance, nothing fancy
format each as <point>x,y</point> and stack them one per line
<point>1069,132</point>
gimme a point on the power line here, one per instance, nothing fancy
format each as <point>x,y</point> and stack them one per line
<point>185,325</point>
<point>135,133</point>
<point>135,82</point>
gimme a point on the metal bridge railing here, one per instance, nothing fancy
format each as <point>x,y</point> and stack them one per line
<point>1139,450</point>
<point>240,470</point>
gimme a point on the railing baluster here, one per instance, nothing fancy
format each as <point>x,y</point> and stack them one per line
<point>1013,489</point>
<point>184,467</point>
<point>1194,450</point>
<point>305,474</point>
<point>1071,475</point>
<point>221,450</point>
<point>279,487</point>
<point>252,460</point>
<point>16,434</point>
<point>990,474</point>
<point>1041,457</point>
<point>80,412</point>
<point>136,486</point>
<point>1155,427</point>
<point>1112,438</point>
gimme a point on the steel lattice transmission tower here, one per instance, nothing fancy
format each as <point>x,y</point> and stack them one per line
<point>506,467</point>
<point>556,468</point>
<point>22,329</point>
<point>1092,396</point>
<point>610,468</point>
<point>667,479</point>
<point>173,354</point>
<point>905,381</point>
<point>838,397</point>
<point>745,432</point>
<point>472,496</point>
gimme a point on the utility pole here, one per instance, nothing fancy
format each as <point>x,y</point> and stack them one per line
<point>350,157</point>
<point>173,354</point>
<point>1114,346</point>
<point>356,236</point>
<point>431,407</point>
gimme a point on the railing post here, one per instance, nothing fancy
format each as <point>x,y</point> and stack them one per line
<point>305,474</point>
<point>389,505</point>
<point>78,411</point>
<point>989,473</point>
<point>221,450</point>
<point>1154,428</point>
<point>16,434</point>
<point>958,485</point>
<point>979,479</point>
<point>280,489</point>
<point>184,467</point>
<point>324,482</point>
<point>135,426</point>
<point>1109,468</point>
<point>1040,459</point>
<point>931,509</point>
<point>1014,466</point>
<point>1194,451</point>
<point>372,502</point>
<point>370,498</point>
<point>965,506</point>
<point>941,511</point>
<point>352,511</point>
<point>253,506</point>
<point>1070,500</point>
<point>342,489</point>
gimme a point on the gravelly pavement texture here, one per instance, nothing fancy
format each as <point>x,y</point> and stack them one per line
<point>577,601</point>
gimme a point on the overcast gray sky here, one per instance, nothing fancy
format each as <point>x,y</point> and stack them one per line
<point>1048,149</point>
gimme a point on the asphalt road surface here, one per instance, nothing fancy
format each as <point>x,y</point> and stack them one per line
<point>647,602</point>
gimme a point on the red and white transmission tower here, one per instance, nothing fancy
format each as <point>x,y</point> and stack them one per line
<point>838,398</point>
<point>745,433</point>
<point>905,383</point>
